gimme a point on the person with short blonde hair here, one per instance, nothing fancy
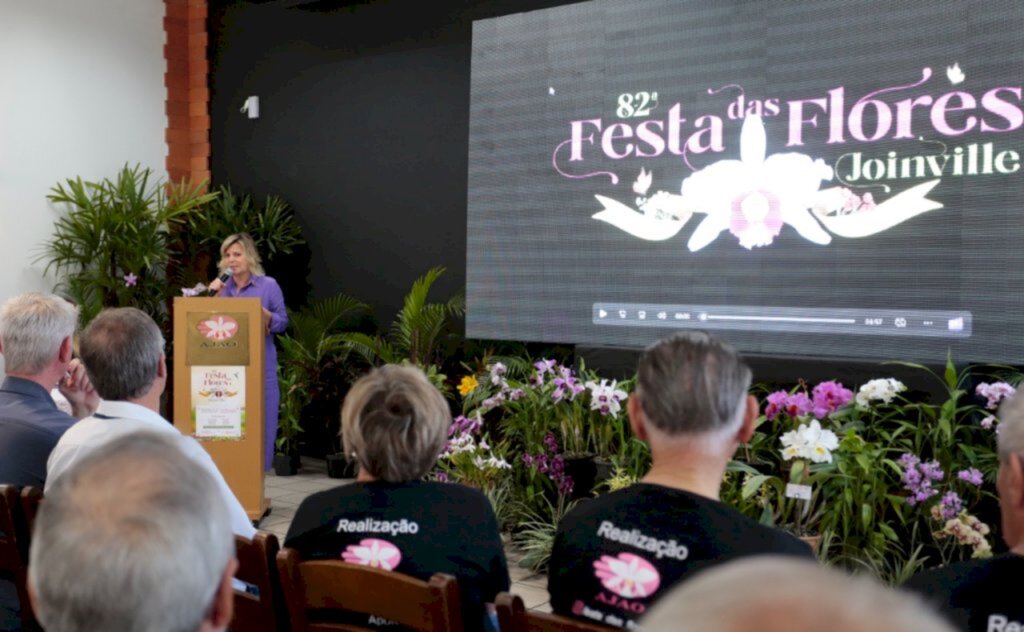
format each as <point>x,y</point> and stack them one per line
<point>248,252</point>
<point>395,424</point>
<point>778,594</point>
<point>243,277</point>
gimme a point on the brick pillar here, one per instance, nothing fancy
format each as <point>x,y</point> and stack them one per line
<point>188,93</point>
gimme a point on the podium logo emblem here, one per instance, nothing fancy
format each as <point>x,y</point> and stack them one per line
<point>218,327</point>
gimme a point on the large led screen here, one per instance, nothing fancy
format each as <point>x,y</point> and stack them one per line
<point>827,178</point>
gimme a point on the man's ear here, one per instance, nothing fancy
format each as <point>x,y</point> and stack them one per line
<point>161,369</point>
<point>1014,473</point>
<point>223,606</point>
<point>67,350</point>
<point>750,413</point>
<point>637,421</point>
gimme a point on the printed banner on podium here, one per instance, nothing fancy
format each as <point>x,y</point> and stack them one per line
<point>218,402</point>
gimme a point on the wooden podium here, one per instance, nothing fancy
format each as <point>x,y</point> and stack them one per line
<point>218,388</point>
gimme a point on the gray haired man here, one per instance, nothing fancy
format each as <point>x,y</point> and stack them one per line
<point>134,537</point>
<point>123,352</point>
<point>37,340</point>
<point>616,555</point>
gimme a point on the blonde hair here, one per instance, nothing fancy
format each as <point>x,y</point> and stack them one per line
<point>252,256</point>
<point>395,422</point>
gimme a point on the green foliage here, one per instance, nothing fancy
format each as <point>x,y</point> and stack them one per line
<point>314,354</point>
<point>293,398</point>
<point>414,334</point>
<point>115,228</point>
<point>273,227</point>
<point>535,535</point>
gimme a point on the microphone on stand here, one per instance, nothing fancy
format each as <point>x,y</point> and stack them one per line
<point>223,278</point>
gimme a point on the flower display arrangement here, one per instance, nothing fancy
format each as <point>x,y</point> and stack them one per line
<point>881,477</point>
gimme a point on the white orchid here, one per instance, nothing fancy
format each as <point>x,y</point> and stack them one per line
<point>809,441</point>
<point>605,397</point>
<point>883,389</point>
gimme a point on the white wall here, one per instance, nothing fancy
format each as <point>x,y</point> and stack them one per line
<point>81,93</point>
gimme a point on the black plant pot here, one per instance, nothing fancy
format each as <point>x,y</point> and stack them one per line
<point>340,467</point>
<point>587,472</point>
<point>286,464</point>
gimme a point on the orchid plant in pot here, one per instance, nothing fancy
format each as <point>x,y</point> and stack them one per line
<point>789,461</point>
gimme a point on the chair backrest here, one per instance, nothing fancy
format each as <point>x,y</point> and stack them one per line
<point>14,547</point>
<point>31,498</point>
<point>318,587</point>
<point>257,566</point>
<point>513,617</point>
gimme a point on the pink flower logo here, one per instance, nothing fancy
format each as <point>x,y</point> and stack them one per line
<point>627,575</point>
<point>218,327</point>
<point>373,552</point>
<point>755,219</point>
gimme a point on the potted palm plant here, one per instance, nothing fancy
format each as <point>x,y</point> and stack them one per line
<point>112,245</point>
<point>315,352</point>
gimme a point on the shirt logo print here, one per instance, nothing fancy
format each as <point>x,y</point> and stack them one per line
<point>373,552</point>
<point>627,575</point>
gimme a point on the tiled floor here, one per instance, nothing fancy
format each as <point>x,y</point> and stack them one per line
<point>286,492</point>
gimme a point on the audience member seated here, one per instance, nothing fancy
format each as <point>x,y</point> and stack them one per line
<point>135,538</point>
<point>784,594</point>
<point>36,340</point>
<point>396,424</point>
<point>36,334</point>
<point>981,594</point>
<point>616,555</point>
<point>123,351</point>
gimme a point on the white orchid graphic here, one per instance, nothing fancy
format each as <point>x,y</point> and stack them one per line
<point>219,328</point>
<point>754,196</point>
<point>628,575</point>
<point>373,552</point>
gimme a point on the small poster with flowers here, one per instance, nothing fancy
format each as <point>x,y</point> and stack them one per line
<point>218,402</point>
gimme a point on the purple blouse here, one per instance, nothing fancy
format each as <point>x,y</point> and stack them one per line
<point>269,292</point>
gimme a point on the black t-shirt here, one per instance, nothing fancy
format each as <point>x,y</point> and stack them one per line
<point>418,528</point>
<point>977,594</point>
<point>616,555</point>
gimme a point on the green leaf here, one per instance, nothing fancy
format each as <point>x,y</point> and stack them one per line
<point>951,376</point>
<point>752,485</point>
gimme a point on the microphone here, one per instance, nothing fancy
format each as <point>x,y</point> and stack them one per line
<point>223,278</point>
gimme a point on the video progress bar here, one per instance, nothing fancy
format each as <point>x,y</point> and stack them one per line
<point>880,322</point>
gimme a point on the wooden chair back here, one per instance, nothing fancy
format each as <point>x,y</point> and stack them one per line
<point>257,566</point>
<point>513,617</point>
<point>14,548</point>
<point>31,498</point>
<point>315,589</point>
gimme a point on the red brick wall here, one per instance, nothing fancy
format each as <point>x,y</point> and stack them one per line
<point>188,93</point>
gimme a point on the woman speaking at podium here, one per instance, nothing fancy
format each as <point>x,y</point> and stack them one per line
<point>242,276</point>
